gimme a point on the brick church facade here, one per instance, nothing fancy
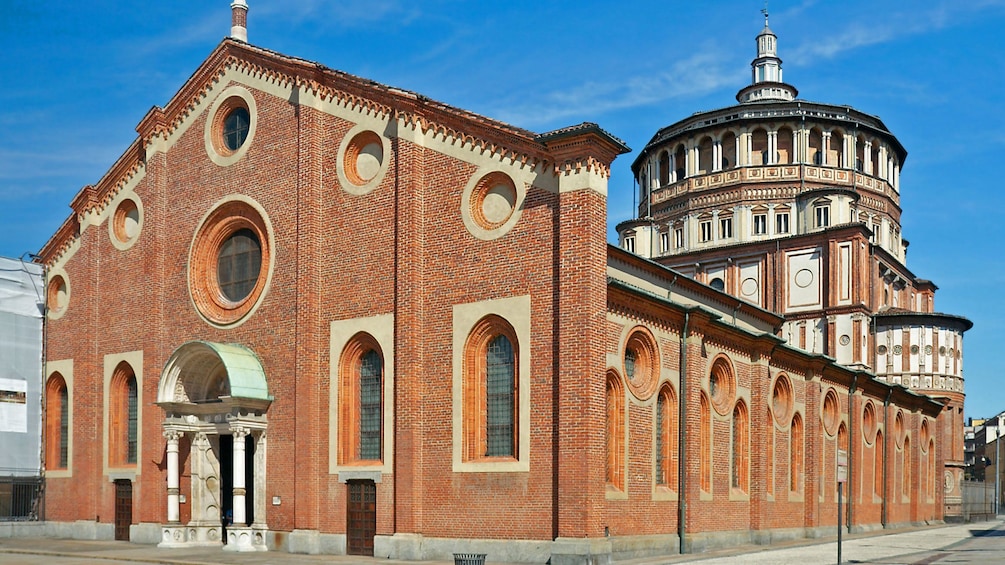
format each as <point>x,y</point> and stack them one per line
<point>307,312</point>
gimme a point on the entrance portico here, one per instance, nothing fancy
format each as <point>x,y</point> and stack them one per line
<point>216,397</point>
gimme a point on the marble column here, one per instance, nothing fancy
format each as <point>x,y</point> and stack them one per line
<point>173,476</point>
<point>240,489</point>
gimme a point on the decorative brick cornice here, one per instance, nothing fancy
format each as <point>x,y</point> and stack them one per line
<point>584,146</point>
<point>571,149</point>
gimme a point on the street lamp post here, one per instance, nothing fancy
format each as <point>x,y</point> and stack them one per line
<point>998,472</point>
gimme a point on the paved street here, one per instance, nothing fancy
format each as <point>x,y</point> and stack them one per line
<point>981,543</point>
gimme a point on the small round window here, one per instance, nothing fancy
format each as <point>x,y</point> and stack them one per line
<point>236,125</point>
<point>831,407</point>
<point>364,157</point>
<point>57,296</point>
<point>126,222</point>
<point>722,385</point>
<point>239,264</point>
<point>230,127</point>
<point>642,363</point>
<point>782,400</point>
<point>491,204</point>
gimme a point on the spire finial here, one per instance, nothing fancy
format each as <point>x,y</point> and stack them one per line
<point>764,11</point>
<point>239,20</point>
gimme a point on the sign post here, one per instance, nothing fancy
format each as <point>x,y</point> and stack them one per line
<point>842,477</point>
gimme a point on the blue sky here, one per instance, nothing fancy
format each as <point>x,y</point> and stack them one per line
<point>78,76</point>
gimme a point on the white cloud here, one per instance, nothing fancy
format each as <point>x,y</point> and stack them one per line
<point>701,73</point>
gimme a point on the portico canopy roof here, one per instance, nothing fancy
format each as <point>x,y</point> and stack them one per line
<point>204,372</point>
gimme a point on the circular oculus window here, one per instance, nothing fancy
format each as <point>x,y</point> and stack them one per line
<point>230,263</point>
<point>126,223</point>
<point>781,400</point>
<point>641,363</point>
<point>869,424</point>
<point>57,296</point>
<point>722,386</point>
<point>898,430</point>
<point>490,204</point>
<point>493,200</point>
<point>230,128</point>
<point>363,158</point>
<point>831,408</point>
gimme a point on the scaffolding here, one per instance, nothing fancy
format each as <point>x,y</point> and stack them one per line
<point>22,310</point>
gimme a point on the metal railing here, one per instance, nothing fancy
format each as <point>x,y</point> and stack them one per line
<point>20,498</point>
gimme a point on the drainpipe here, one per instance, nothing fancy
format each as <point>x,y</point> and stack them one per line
<point>681,438</point>
<point>851,451</point>
<point>886,441</point>
<point>43,393</point>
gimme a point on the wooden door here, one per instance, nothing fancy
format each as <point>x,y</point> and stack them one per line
<point>361,519</point>
<point>123,508</point>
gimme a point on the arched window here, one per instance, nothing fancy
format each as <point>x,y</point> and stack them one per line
<point>741,447</point>
<point>490,390</point>
<point>769,454</point>
<point>361,393</point>
<point>796,454</point>
<point>729,150</point>
<point>907,467</point>
<point>705,443</point>
<point>931,469</point>
<point>666,438</point>
<point>123,416</point>
<point>759,147</point>
<point>500,389</point>
<point>664,164</point>
<point>705,155</point>
<point>835,152</point>
<point>680,160</point>
<point>370,371</point>
<point>878,464</point>
<point>785,146</point>
<point>57,437</point>
<point>816,148</point>
<point>615,431</point>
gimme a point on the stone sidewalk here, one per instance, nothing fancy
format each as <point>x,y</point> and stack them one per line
<point>859,548</point>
